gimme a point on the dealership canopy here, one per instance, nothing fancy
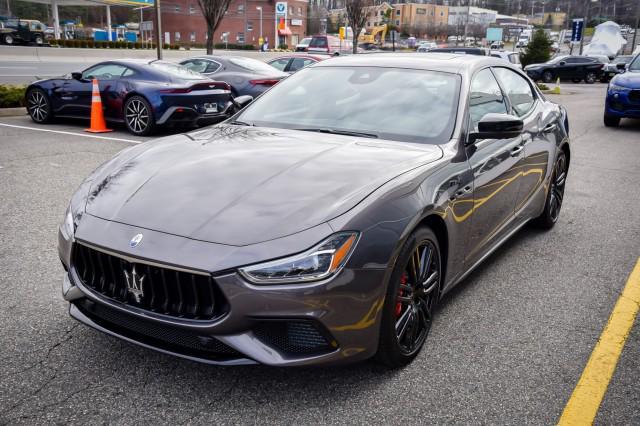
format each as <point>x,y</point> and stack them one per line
<point>55,3</point>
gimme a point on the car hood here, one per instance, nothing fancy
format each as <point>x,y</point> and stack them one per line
<point>240,185</point>
<point>628,79</point>
<point>534,66</point>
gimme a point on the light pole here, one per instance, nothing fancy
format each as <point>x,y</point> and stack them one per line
<point>587,5</point>
<point>261,41</point>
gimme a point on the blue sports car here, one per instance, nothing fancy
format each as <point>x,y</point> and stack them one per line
<point>623,95</point>
<point>143,94</point>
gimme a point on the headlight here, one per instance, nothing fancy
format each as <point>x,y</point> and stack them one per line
<point>320,262</point>
<point>616,88</point>
<point>68,227</point>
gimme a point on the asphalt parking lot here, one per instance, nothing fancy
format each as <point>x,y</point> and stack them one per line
<point>508,346</point>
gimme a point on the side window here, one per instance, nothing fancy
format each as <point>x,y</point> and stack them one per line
<point>104,72</point>
<point>280,64</point>
<point>518,90</point>
<point>212,67</point>
<point>571,60</point>
<point>196,65</point>
<point>485,97</point>
<point>299,63</point>
<point>128,72</point>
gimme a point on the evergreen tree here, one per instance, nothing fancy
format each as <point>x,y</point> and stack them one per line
<point>538,50</point>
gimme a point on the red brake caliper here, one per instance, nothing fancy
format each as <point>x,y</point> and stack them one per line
<point>403,280</point>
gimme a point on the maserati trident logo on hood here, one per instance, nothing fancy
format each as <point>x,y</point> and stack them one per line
<point>137,239</point>
<point>134,284</point>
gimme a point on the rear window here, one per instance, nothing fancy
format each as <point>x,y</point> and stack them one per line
<point>251,64</point>
<point>319,42</point>
<point>176,70</point>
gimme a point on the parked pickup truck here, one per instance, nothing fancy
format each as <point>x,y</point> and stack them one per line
<point>14,31</point>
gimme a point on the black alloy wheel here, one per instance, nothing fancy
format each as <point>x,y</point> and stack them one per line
<point>411,299</point>
<point>547,76</point>
<point>38,106</point>
<point>555,195</point>
<point>138,116</point>
<point>590,78</point>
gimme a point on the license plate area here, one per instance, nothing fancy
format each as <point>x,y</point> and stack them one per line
<point>210,107</point>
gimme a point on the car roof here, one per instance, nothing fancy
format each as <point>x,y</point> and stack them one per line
<point>434,61</point>
<point>301,55</point>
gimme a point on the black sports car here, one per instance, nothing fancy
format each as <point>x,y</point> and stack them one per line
<point>246,76</point>
<point>574,68</point>
<point>323,223</point>
<point>143,94</point>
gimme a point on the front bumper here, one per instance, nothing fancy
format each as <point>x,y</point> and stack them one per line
<point>345,310</point>
<point>623,104</point>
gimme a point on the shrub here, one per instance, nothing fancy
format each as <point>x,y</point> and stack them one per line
<point>538,50</point>
<point>11,96</point>
<point>285,47</point>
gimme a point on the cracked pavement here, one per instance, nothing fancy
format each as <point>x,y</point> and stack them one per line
<point>508,346</point>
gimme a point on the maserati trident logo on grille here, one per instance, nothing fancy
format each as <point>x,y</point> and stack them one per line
<point>134,284</point>
<point>137,239</point>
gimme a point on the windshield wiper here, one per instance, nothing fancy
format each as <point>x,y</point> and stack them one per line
<point>340,132</point>
<point>241,123</point>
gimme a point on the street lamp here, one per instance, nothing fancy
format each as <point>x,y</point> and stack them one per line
<point>262,41</point>
<point>587,6</point>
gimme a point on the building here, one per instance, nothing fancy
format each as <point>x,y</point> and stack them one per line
<point>421,19</point>
<point>476,15</point>
<point>550,19</point>
<point>183,23</point>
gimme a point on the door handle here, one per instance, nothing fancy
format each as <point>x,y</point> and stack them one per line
<point>517,150</point>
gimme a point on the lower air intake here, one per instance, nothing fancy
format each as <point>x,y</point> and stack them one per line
<point>302,337</point>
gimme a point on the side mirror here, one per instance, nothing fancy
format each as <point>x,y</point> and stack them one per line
<point>243,101</point>
<point>76,75</point>
<point>497,126</point>
<point>621,66</point>
<point>562,63</point>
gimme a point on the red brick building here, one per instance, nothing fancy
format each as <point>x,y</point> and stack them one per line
<point>182,22</point>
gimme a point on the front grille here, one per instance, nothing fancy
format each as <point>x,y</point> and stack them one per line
<point>158,335</point>
<point>634,96</point>
<point>295,337</point>
<point>162,290</point>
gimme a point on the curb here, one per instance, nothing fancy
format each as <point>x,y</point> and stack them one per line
<point>13,112</point>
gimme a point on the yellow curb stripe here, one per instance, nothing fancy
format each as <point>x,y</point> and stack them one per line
<point>587,396</point>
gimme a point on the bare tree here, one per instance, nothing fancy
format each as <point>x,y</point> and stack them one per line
<point>213,12</point>
<point>357,11</point>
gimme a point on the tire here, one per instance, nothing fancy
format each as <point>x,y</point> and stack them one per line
<point>590,78</point>
<point>576,80</point>
<point>611,121</point>
<point>39,106</point>
<point>39,40</point>
<point>547,77</point>
<point>555,195</point>
<point>8,39</point>
<point>409,309</point>
<point>138,116</point>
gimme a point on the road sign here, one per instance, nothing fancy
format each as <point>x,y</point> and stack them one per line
<point>146,26</point>
<point>494,34</point>
<point>576,29</point>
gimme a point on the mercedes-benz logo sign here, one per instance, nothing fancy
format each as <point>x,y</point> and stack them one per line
<point>135,241</point>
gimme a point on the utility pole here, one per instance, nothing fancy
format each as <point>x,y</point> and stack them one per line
<point>158,35</point>
<point>466,24</point>
<point>587,4</point>
<point>635,27</point>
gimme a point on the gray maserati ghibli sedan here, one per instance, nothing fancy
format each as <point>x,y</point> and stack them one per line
<point>323,222</point>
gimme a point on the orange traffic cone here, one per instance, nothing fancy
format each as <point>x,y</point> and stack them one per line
<point>97,117</point>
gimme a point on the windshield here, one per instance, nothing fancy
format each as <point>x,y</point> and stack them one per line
<point>176,70</point>
<point>253,65</point>
<point>635,65</point>
<point>623,59</point>
<point>389,103</point>
<point>305,41</point>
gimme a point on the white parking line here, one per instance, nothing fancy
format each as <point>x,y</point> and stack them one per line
<point>62,132</point>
